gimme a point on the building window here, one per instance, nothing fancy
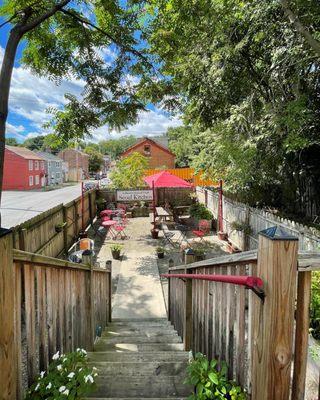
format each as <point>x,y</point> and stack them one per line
<point>42,164</point>
<point>36,165</point>
<point>30,180</point>
<point>57,164</point>
<point>37,180</point>
<point>30,165</point>
<point>147,149</point>
<point>58,175</point>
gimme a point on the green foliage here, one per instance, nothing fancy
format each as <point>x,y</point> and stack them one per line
<point>181,143</point>
<point>114,147</point>
<point>93,43</point>
<point>12,142</point>
<point>211,383</point>
<point>160,249</point>
<point>68,377</point>
<point>34,143</point>
<point>200,211</point>
<point>241,227</point>
<point>116,247</point>
<point>129,172</point>
<point>248,85</point>
<point>95,159</point>
<point>315,305</point>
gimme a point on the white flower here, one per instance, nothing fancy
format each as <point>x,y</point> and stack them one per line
<point>64,359</point>
<point>59,367</point>
<point>49,386</point>
<point>88,378</point>
<point>66,392</point>
<point>56,356</point>
<point>37,387</point>
<point>95,374</point>
<point>42,374</point>
<point>94,369</point>
<point>71,375</point>
<point>62,389</point>
<point>81,351</point>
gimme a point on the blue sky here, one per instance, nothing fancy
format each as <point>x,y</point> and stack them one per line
<point>30,96</point>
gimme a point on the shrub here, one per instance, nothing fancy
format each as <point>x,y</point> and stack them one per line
<point>200,211</point>
<point>315,305</point>
<point>68,377</point>
<point>116,247</point>
<point>211,383</point>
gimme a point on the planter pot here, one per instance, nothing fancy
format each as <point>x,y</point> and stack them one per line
<point>222,235</point>
<point>115,254</point>
<point>154,233</point>
<point>161,255</point>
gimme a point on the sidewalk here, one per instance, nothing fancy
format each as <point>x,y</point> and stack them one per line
<point>138,292</point>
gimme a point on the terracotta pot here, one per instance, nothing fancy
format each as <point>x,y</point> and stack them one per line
<point>222,235</point>
<point>154,233</point>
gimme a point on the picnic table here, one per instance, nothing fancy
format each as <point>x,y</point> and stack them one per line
<point>163,214</point>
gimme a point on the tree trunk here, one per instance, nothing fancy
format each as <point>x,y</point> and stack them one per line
<point>5,81</point>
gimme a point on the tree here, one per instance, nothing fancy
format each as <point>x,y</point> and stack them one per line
<point>181,143</point>
<point>34,143</point>
<point>63,39</point>
<point>114,147</point>
<point>95,159</point>
<point>248,84</point>
<point>12,142</point>
<point>129,172</point>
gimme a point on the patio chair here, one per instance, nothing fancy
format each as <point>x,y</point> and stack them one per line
<point>203,229</point>
<point>168,235</point>
<point>119,231</point>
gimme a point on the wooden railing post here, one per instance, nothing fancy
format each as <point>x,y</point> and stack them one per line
<point>273,319</point>
<point>187,326</point>
<point>109,289</point>
<point>171,265</point>
<point>65,229</point>
<point>87,258</point>
<point>302,335</point>
<point>8,344</point>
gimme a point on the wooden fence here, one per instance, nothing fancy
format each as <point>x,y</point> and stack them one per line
<point>39,234</point>
<point>259,340</point>
<point>47,305</point>
<point>188,174</point>
<point>176,196</point>
<point>257,220</point>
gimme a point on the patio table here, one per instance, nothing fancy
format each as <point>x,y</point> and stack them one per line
<point>163,214</point>
<point>109,226</point>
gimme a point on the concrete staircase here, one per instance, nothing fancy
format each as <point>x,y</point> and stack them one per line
<point>140,359</point>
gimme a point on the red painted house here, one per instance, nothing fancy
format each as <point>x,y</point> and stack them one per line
<point>23,169</point>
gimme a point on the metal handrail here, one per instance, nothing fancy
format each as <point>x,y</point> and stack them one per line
<point>253,283</point>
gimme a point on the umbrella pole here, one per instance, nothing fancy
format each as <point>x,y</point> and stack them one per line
<point>154,206</point>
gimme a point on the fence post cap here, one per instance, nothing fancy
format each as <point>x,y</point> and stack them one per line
<point>277,233</point>
<point>189,252</point>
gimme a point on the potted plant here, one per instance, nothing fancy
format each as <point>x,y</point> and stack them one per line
<point>59,227</point>
<point>199,211</point>
<point>160,251</point>
<point>101,204</point>
<point>115,251</point>
<point>154,233</point>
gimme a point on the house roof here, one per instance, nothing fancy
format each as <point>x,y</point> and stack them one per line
<point>24,153</point>
<point>74,151</point>
<point>48,156</point>
<point>147,140</point>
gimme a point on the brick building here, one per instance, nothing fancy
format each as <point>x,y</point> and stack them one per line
<point>78,163</point>
<point>23,169</point>
<point>158,153</point>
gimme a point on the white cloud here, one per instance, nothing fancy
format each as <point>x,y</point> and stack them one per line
<point>14,130</point>
<point>31,95</point>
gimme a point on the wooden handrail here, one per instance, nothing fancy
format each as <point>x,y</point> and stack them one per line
<point>38,259</point>
<point>307,261</point>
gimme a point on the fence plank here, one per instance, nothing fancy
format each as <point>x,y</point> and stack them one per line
<point>8,351</point>
<point>273,320</point>
<point>302,335</point>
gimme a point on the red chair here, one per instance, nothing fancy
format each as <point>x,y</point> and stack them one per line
<point>120,231</point>
<point>106,213</point>
<point>203,229</point>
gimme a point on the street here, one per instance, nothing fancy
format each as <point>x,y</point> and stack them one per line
<point>19,206</point>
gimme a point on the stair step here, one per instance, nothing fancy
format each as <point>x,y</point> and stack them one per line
<point>132,331</point>
<point>141,339</point>
<point>138,319</point>
<point>141,323</point>
<point>141,387</point>
<point>103,345</point>
<point>162,356</point>
<point>137,369</point>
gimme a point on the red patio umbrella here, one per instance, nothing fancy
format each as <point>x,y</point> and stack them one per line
<point>162,180</point>
<point>165,179</point>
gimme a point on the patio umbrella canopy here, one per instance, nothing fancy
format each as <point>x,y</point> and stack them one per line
<point>166,180</point>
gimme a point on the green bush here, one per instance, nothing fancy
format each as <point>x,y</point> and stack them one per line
<point>68,377</point>
<point>211,383</point>
<point>315,305</point>
<point>200,211</point>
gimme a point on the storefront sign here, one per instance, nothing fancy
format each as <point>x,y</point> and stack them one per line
<point>134,195</point>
